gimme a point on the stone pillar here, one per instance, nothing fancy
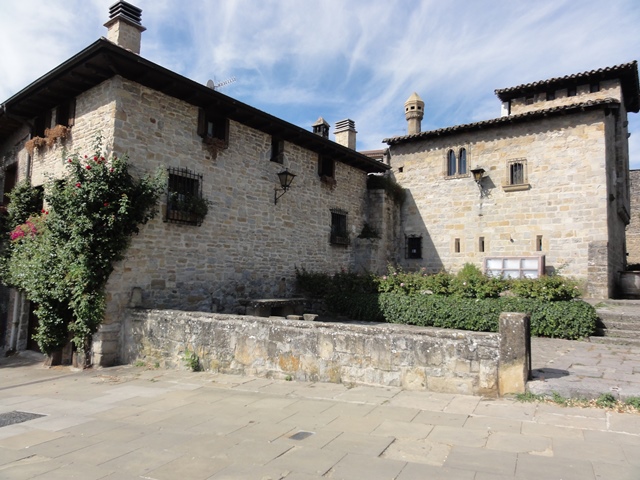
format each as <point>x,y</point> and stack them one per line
<point>515,353</point>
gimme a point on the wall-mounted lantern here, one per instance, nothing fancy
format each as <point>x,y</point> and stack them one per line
<point>285,177</point>
<point>478,175</point>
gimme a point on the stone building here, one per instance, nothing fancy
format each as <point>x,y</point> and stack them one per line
<point>552,183</point>
<point>209,144</point>
<point>543,187</point>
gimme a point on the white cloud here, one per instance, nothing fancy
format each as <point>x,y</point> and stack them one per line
<point>358,60</point>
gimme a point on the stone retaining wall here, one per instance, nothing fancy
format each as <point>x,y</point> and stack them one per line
<point>414,358</point>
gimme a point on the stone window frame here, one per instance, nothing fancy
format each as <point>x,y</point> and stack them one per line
<point>452,162</point>
<point>339,235</point>
<point>413,247</point>
<point>512,183</point>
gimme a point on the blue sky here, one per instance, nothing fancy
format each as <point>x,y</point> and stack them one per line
<point>301,59</point>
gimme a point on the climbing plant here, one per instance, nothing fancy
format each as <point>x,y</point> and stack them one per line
<point>62,257</point>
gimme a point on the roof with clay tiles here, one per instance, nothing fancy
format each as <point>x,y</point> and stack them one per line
<point>508,119</point>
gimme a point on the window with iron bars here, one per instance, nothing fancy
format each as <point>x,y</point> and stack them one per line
<point>339,234</point>
<point>184,197</point>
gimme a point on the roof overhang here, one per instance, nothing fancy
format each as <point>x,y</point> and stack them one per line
<point>103,60</point>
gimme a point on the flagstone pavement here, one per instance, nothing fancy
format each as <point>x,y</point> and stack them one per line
<point>144,423</point>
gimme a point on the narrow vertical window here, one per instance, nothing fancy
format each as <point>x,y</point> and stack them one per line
<point>339,234</point>
<point>462,161</point>
<point>538,243</point>
<point>516,173</point>
<point>277,150</point>
<point>481,244</point>
<point>451,163</point>
<point>456,245</point>
<point>413,247</point>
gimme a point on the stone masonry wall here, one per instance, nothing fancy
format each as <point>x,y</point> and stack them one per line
<point>566,204</point>
<point>414,358</point>
<point>633,230</point>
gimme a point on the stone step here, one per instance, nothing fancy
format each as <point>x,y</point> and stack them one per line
<point>619,314</point>
<point>615,340</point>
<point>618,324</point>
<point>604,332</point>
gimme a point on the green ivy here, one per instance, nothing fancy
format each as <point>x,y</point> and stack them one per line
<point>62,257</point>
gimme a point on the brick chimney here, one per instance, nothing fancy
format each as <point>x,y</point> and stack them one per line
<point>124,28</point>
<point>321,127</point>
<point>345,133</point>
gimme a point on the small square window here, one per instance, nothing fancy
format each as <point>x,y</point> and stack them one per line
<point>551,95</point>
<point>528,100</point>
<point>339,234</point>
<point>184,198</point>
<point>594,87</point>
<point>572,91</point>
<point>413,247</point>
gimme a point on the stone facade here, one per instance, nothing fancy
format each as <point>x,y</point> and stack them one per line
<point>633,230</point>
<point>555,183</point>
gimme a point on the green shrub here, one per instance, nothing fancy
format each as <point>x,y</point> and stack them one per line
<point>470,282</point>
<point>397,281</point>
<point>562,319</point>
<point>547,287</point>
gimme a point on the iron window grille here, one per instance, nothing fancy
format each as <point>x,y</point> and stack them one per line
<point>339,234</point>
<point>185,204</point>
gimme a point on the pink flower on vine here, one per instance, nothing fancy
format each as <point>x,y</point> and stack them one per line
<point>88,167</point>
<point>78,184</point>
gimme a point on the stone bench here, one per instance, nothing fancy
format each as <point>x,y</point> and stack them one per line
<point>273,307</point>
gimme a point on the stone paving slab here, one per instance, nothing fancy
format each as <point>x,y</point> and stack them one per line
<point>135,423</point>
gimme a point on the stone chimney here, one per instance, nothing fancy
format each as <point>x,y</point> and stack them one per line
<point>321,127</point>
<point>345,133</point>
<point>124,28</point>
<point>413,112</point>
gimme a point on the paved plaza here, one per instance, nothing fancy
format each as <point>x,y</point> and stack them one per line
<point>144,423</point>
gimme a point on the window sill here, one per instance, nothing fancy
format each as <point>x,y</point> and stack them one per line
<point>516,188</point>
<point>453,177</point>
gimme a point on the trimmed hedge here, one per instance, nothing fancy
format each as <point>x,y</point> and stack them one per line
<point>562,319</point>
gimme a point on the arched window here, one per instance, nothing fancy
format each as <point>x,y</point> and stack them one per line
<point>451,163</point>
<point>462,162</point>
